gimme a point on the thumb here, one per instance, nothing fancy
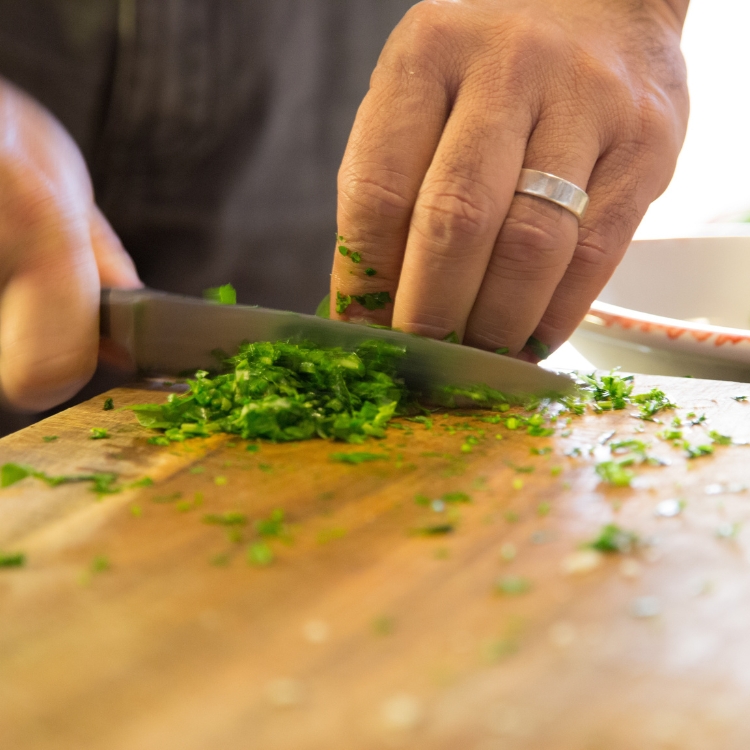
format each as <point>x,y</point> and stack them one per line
<point>116,267</point>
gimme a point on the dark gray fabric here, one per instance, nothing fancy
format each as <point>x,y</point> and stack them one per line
<point>213,129</point>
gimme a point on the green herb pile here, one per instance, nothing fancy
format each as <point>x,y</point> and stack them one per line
<point>284,391</point>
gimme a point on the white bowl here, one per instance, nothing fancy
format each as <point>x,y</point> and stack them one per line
<point>675,307</point>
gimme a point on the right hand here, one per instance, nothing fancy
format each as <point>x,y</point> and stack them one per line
<point>56,250</point>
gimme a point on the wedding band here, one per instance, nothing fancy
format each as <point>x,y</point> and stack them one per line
<point>555,189</point>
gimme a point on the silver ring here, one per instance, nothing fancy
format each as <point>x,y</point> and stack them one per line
<point>555,189</point>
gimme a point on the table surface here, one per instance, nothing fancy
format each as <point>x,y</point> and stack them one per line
<point>135,624</point>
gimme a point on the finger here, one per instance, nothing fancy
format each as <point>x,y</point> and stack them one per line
<point>458,214</point>
<point>49,310</point>
<point>116,267</point>
<point>535,244</point>
<point>621,189</point>
<point>390,148</point>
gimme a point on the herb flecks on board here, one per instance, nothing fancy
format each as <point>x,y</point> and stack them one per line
<point>103,483</point>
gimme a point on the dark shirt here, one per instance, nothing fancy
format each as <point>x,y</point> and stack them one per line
<point>213,129</point>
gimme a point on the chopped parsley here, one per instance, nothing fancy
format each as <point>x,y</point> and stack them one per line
<point>99,433</point>
<point>230,518</point>
<point>12,559</point>
<point>259,554</point>
<point>342,302</point>
<point>103,483</point>
<point>109,404</point>
<point>358,457</point>
<point>355,257</point>
<point>697,451</point>
<point>612,538</point>
<point>452,338</point>
<point>436,529</point>
<point>615,473</point>
<point>222,295</point>
<point>456,497</point>
<point>282,392</point>
<point>539,349</point>
<point>273,526</point>
<point>651,403</point>
<point>502,350</point>
<point>608,392</point>
<point>373,300</point>
<point>50,438</point>
<point>370,271</point>
<point>100,564</point>
<point>720,439</point>
<point>512,585</point>
<point>370,301</point>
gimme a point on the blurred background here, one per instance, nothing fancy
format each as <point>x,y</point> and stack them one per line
<point>711,182</point>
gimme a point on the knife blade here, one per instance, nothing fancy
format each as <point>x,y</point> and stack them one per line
<point>168,334</point>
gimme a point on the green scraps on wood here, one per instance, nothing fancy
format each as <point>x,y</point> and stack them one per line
<point>103,483</point>
<point>358,457</point>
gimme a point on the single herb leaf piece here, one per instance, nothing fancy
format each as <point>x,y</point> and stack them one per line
<point>370,271</point>
<point>456,497</point>
<point>373,300</point>
<point>103,482</point>
<point>259,554</point>
<point>538,348</point>
<point>273,526</point>
<point>342,302</point>
<point>99,433</point>
<point>230,518</point>
<point>50,438</point>
<point>452,338</point>
<point>222,295</point>
<point>615,473</point>
<point>109,404</point>
<point>100,564</point>
<point>12,559</point>
<point>512,585</point>
<point>12,473</point>
<point>323,310</point>
<point>612,538</point>
<point>355,257</point>
<point>358,457</point>
<point>502,350</point>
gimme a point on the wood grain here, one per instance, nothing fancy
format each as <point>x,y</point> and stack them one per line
<point>361,633</point>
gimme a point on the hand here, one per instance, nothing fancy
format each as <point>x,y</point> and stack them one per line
<point>56,248</point>
<point>465,94</point>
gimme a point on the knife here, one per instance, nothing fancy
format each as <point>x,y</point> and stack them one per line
<point>171,334</point>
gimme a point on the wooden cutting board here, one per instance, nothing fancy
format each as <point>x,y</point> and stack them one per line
<point>135,625</point>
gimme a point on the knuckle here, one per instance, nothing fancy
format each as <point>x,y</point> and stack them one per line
<point>424,41</point>
<point>453,211</point>
<point>536,240</point>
